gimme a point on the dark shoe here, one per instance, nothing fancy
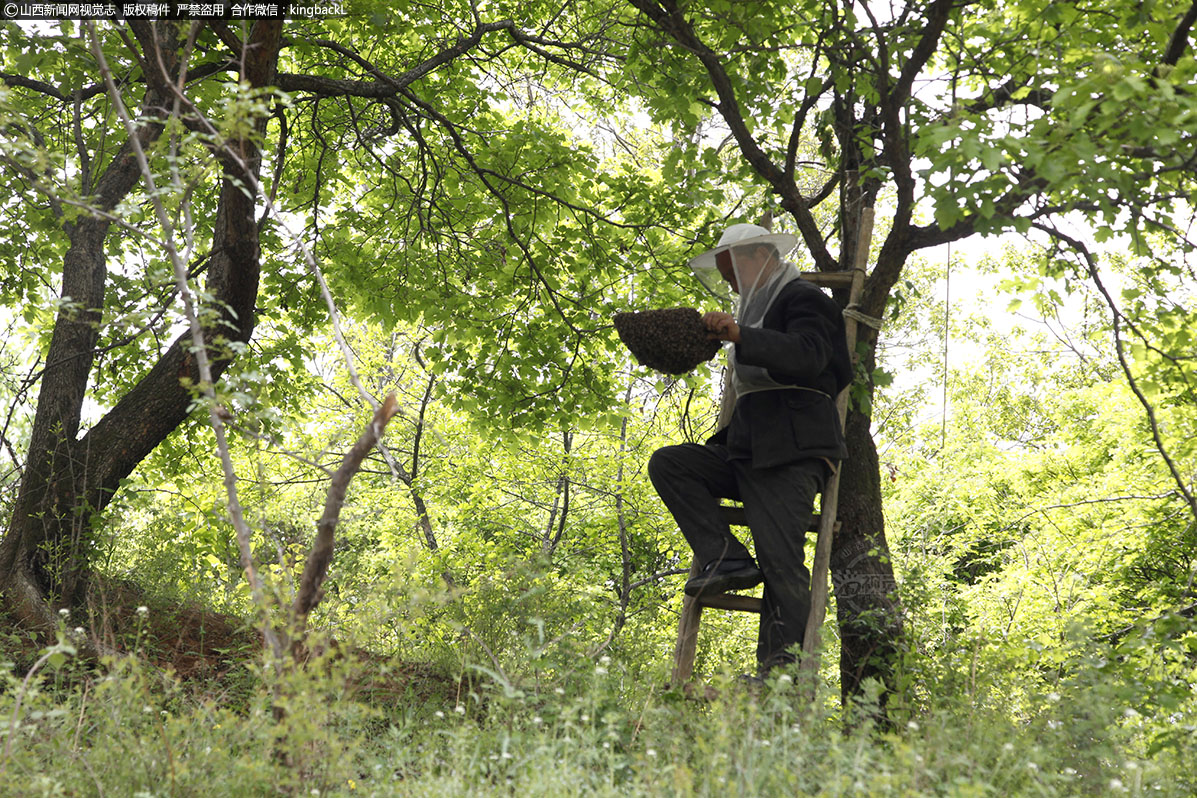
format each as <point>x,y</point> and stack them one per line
<point>720,576</point>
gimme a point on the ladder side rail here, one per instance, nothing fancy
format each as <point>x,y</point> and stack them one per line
<point>686,647</point>
<point>829,503</point>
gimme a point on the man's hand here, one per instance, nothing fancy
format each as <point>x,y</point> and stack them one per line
<point>721,326</point>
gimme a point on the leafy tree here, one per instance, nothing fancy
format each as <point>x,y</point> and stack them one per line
<point>443,168</point>
<point>950,119</point>
<point>69,475</point>
<point>393,142</point>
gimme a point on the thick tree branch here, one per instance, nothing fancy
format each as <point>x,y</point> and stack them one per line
<point>161,399</point>
<point>668,17</point>
<point>1003,96</point>
<point>808,102</point>
<point>49,89</point>
<point>387,85</point>
<point>69,359</point>
<point>1179,40</point>
<point>20,81</point>
<point>316,567</point>
<point>891,104</point>
<point>938,14</point>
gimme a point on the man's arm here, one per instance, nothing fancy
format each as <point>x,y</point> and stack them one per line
<point>804,347</point>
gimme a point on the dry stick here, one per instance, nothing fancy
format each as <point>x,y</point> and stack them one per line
<point>199,349</point>
<point>346,353</point>
<point>14,721</point>
<point>1117,319</point>
<point>253,184</point>
<point>316,567</point>
<point>493,659</point>
<point>625,589</point>
<point>317,564</point>
<point>82,711</point>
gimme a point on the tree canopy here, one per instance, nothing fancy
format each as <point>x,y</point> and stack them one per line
<point>224,244</point>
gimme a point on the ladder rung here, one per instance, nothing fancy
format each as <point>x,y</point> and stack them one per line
<point>830,279</point>
<point>734,515</point>
<point>730,601</point>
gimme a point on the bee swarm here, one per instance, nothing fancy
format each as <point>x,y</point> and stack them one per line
<point>670,340</point>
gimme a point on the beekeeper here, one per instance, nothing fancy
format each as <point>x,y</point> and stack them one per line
<point>780,435</point>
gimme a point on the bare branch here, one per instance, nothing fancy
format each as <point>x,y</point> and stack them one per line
<point>316,567</point>
<point>1119,347</point>
<point>199,348</point>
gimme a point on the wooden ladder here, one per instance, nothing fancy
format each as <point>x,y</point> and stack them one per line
<point>824,522</point>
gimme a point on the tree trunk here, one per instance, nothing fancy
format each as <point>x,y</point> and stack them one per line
<point>45,554</point>
<point>44,544</point>
<point>862,574</point>
<point>867,608</point>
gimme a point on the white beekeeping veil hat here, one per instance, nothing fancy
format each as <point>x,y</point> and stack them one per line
<point>737,236</point>
<point>739,264</point>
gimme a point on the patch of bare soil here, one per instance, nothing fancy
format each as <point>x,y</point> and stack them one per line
<point>200,645</point>
<point>208,651</point>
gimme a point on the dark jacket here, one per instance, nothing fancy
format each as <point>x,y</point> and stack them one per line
<point>801,343</point>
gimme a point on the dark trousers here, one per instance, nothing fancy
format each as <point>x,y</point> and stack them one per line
<point>692,478</point>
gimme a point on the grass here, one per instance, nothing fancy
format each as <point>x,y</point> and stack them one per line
<point>352,724</point>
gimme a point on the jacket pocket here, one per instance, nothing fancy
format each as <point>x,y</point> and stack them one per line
<point>814,421</point>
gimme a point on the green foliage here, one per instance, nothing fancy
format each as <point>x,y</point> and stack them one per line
<point>1037,530</point>
<point>479,231</point>
<point>1089,110</point>
<point>593,729</point>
